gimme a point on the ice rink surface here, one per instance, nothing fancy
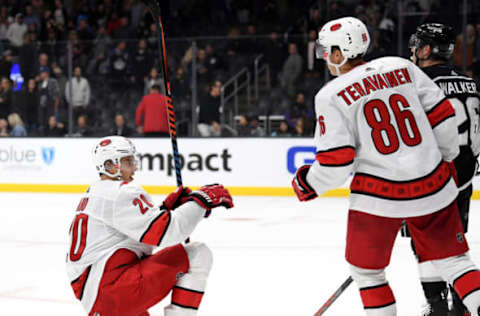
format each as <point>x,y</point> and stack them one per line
<point>272,256</point>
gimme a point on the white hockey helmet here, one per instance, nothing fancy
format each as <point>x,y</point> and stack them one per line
<point>112,149</point>
<point>349,34</point>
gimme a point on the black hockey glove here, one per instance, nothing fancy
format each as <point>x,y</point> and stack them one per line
<point>300,185</point>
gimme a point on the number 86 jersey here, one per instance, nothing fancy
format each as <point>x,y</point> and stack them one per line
<point>392,126</point>
<point>118,215</point>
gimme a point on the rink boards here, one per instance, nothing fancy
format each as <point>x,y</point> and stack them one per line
<point>248,166</point>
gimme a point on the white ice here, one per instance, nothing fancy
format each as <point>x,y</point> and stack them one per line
<point>272,256</point>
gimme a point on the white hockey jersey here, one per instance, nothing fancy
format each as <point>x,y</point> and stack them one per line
<point>376,121</point>
<point>114,215</point>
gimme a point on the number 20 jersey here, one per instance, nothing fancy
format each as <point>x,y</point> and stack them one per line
<point>113,215</point>
<point>393,127</point>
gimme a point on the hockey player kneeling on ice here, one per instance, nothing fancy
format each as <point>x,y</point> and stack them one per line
<point>115,230</point>
<point>390,125</point>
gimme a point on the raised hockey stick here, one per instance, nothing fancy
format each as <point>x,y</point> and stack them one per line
<point>154,8</point>
<point>334,296</point>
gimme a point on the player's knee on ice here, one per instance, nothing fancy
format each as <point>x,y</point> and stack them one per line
<point>200,257</point>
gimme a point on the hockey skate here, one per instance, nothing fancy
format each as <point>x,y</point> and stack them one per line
<point>437,306</point>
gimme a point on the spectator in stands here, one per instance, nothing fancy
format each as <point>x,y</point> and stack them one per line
<point>283,130</point>
<point>119,60</point>
<point>152,80</point>
<point>26,57</point>
<point>54,129</point>
<point>78,95</point>
<point>209,116</point>
<point>30,18</point>
<point>42,63</point>
<point>151,115</point>
<point>16,125</point>
<point>298,110</point>
<point>16,31</point>
<point>121,128</point>
<point>124,31</point>
<point>243,128</point>
<point>5,97</point>
<point>26,103</point>
<point>303,127</point>
<point>49,97</point>
<point>6,64</point>
<point>59,13</point>
<point>291,70</point>
<point>142,62</point>
<point>3,127</point>
<point>180,85</point>
<point>458,52</point>
<point>274,51</point>
<point>255,129</point>
<point>83,129</point>
<point>102,41</point>
<point>4,23</point>
<point>214,62</point>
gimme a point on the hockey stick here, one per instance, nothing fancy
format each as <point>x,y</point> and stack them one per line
<point>334,296</point>
<point>154,8</point>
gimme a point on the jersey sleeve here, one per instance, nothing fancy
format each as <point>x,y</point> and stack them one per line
<point>440,113</point>
<point>335,143</point>
<point>136,216</point>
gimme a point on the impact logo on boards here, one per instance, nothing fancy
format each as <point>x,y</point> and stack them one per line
<point>298,156</point>
<point>26,157</point>
<point>194,162</point>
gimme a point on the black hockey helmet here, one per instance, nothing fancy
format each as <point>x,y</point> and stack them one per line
<point>440,37</point>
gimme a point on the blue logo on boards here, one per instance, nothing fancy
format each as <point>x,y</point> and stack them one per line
<point>305,151</point>
<point>48,154</point>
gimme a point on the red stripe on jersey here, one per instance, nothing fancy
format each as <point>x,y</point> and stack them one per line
<point>467,283</point>
<point>377,296</point>
<point>186,297</point>
<point>440,112</point>
<point>79,283</point>
<point>155,232</point>
<point>335,157</point>
<point>401,190</point>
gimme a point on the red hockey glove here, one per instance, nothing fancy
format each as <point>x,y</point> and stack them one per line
<point>211,196</point>
<point>453,171</point>
<point>299,183</point>
<point>176,198</point>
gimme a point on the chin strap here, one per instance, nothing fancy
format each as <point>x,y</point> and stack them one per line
<point>337,66</point>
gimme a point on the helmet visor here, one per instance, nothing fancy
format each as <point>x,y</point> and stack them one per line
<point>321,52</point>
<point>415,42</point>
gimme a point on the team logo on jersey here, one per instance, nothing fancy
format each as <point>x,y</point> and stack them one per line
<point>321,124</point>
<point>48,153</point>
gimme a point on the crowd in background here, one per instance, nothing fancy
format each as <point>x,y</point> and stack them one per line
<point>116,79</point>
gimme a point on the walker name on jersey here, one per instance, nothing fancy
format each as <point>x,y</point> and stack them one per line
<point>458,87</point>
<point>19,157</point>
<point>214,162</point>
<point>374,82</point>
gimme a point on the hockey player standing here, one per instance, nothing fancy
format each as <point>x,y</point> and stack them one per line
<point>432,46</point>
<point>117,227</point>
<point>390,125</point>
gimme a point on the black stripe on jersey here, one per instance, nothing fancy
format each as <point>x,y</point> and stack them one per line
<point>436,105</point>
<point>189,290</point>
<point>373,287</point>
<point>184,306</point>
<point>380,306</point>
<point>338,165</point>
<point>335,148</point>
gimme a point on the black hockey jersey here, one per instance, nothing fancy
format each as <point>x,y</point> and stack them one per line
<point>462,93</point>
